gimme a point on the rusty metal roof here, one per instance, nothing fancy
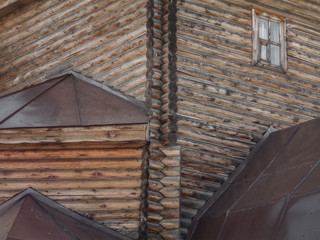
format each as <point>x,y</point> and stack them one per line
<point>32,216</point>
<point>69,100</point>
<point>275,193</point>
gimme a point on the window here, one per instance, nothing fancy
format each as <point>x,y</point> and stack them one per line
<point>269,45</point>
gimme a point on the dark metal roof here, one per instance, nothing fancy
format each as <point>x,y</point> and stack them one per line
<point>32,216</point>
<point>275,194</point>
<point>69,100</point>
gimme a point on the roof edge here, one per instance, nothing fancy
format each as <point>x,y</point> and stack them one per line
<point>226,184</point>
<point>109,89</point>
<point>44,199</point>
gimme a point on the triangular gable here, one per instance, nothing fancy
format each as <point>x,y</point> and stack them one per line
<point>32,216</point>
<point>69,100</point>
<point>275,193</point>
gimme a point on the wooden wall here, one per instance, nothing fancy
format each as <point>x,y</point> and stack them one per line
<point>97,180</point>
<point>104,40</point>
<point>224,103</point>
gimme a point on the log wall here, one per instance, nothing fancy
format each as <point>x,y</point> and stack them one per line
<point>95,180</point>
<point>104,40</point>
<point>224,103</point>
<point>97,171</point>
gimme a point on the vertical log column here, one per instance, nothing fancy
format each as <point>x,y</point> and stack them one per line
<point>171,171</point>
<point>153,101</point>
<point>163,220</point>
<point>171,193</point>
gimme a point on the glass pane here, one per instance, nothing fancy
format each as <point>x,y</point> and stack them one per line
<point>274,32</point>
<point>275,55</point>
<point>264,52</point>
<point>263,29</point>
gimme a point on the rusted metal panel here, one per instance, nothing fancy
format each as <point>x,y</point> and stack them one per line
<point>32,216</point>
<point>274,195</point>
<point>69,101</point>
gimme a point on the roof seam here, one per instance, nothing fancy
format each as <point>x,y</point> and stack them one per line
<point>290,195</point>
<point>75,96</point>
<point>40,94</point>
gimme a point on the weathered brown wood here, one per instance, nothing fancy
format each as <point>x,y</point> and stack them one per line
<point>74,134</point>
<point>74,145</point>
<point>170,192</point>
<point>66,44</point>
<point>170,223</point>
<point>75,154</point>
<point>89,178</point>
<point>170,203</point>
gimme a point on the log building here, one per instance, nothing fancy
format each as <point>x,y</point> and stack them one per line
<point>213,75</point>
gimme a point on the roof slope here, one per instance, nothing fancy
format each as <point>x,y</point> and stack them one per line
<point>69,100</point>
<point>32,216</point>
<point>276,195</point>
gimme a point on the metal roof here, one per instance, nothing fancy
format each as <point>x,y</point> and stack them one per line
<point>32,216</point>
<point>69,100</point>
<point>275,193</point>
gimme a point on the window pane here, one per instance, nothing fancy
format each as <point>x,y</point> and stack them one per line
<point>275,55</point>
<point>274,31</point>
<point>263,29</point>
<point>264,52</point>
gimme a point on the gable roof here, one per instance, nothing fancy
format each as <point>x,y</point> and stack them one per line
<point>69,100</point>
<point>32,216</point>
<point>275,194</point>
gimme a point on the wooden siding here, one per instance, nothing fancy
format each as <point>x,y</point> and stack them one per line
<point>104,40</point>
<point>224,103</point>
<point>99,182</point>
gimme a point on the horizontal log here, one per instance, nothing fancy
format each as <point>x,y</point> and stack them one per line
<point>170,192</point>
<point>71,164</point>
<point>155,165</point>
<point>154,207</point>
<point>154,218</point>
<point>71,154</point>
<point>74,134</point>
<point>154,185</point>
<point>69,174</point>
<point>170,202</point>
<point>199,185</point>
<point>172,151</point>
<point>172,161</point>
<point>170,223</point>
<point>171,181</point>
<point>97,205</point>
<point>170,214</point>
<point>171,171</point>
<point>154,228</point>
<point>43,185</point>
<point>192,193</point>
<point>154,196</point>
<point>170,234</point>
<point>192,203</point>
<point>76,145</point>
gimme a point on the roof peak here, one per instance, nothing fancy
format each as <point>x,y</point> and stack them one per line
<point>70,100</point>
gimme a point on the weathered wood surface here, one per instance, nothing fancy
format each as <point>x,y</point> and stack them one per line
<point>100,182</point>
<point>116,133</point>
<point>224,104</point>
<point>104,40</point>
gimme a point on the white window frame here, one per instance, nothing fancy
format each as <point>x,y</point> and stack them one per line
<point>257,60</point>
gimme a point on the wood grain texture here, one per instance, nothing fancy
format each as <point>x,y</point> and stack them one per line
<point>104,40</point>
<point>103,183</point>
<point>224,104</point>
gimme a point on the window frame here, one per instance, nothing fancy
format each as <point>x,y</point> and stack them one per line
<point>257,60</point>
